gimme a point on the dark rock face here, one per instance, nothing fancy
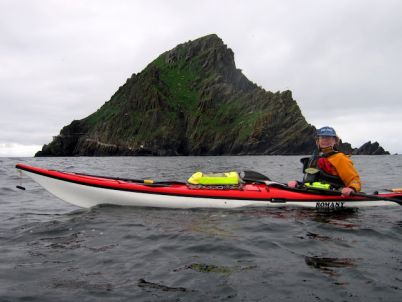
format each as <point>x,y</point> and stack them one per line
<point>370,149</point>
<point>191,100</point>
<point>345,147</point>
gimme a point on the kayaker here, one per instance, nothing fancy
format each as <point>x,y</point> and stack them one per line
<point>328,167</point>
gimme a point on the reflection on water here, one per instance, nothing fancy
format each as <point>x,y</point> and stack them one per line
<point>324,262</point>
<point>340,218</point>
<point>151,285</point>
<point>328,265</point>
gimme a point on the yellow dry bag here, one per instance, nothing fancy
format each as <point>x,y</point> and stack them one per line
<point>226,178</point>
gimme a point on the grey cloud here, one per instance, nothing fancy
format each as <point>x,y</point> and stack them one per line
<point>62,61</point>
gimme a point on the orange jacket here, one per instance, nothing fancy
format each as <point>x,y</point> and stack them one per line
<point>344,168</point>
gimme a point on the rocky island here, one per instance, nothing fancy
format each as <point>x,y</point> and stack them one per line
<point>192,100</point>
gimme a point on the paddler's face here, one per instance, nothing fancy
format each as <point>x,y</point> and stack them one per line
<point>326,141</point>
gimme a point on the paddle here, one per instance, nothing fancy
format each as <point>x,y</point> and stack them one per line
<point>260,178</point>
<point>359,194</point>
<point>148,182</point>
<point>376,197</point>
<point>253,176</point>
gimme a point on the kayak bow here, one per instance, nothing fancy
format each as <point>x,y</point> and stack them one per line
<point>89,190</point>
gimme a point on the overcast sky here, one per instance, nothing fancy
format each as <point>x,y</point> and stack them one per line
<point>61,60</point>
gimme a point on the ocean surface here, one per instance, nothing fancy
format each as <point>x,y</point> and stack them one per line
<point>53,251</point>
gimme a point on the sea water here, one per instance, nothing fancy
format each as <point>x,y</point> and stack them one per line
<point>53,251</point>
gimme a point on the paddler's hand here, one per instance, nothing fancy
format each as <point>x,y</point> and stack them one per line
<point>292,184</point>
<point>346,191</point>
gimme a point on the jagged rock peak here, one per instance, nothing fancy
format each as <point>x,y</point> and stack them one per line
<point>210,51</point>
<point>208,44</point>
<point>370,148</point>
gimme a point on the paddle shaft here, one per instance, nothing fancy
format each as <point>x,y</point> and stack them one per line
<point>140,181</point>
<point>376,197</point>
<point>368,196</point>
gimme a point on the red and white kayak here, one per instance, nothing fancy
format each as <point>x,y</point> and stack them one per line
<point>88,191</point>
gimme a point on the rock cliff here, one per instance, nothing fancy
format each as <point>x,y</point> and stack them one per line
<point>370,149</point>
<point>191,100</point>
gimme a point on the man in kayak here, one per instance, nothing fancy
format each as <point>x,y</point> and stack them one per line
<point>329,168</point>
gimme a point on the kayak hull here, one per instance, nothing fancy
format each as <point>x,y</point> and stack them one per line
<point>88,191</point>
<point>88,196</point>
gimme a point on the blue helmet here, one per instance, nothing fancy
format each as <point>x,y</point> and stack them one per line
<point>326,131</point>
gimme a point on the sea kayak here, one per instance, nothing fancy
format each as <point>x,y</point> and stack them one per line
<point>88,190</point>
